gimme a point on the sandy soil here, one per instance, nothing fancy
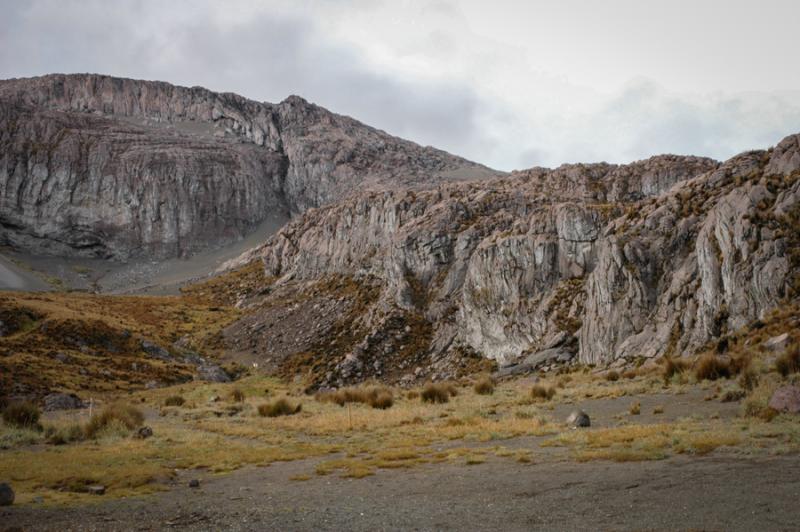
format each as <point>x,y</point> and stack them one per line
<point>711,493</point>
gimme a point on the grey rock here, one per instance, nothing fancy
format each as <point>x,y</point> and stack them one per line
<point>578,419</point>
<point>777,343</point>
<point>155,351</point>
<point>96,490</point>
<point>147,168</point>
<point>786,399</point>
<point>62,401</point>
<point>212,373</point>
<point>144,432</point>
<point>194,483</point>
<point>6,494</point>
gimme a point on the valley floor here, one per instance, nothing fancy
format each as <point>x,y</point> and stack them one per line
<point>683,493</point>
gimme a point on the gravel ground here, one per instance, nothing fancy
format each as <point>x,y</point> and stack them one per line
<point>684,493</point>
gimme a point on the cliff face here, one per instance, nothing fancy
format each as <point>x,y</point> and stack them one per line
<point>597,263</point>
<point>101,166</point>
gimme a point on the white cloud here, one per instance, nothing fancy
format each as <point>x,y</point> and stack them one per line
<point>510,85</point>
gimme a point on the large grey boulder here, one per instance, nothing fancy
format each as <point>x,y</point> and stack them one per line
<point>62,401</point>
<point>786,399</point>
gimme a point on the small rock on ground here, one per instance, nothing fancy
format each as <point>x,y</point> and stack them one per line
<point>578,418</point>
<point>6,494</point>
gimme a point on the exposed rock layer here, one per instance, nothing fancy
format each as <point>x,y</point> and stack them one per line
<point>601,262</point>
<point>100,166</point>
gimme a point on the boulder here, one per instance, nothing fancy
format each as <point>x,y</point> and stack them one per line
<point>786,399</point>
<point>578,419</point>
<point>144,432</point>
<point>6,494</point>
<point>62,401</point>
<point>212,373</point>
<point>777,343</point>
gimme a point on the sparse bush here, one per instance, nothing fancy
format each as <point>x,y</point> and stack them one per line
<point>23,414</point>
<point>413,394</point>
<point>174,400</point>
<point>281,407</point>
<point>484,386</point>
<point>788,362</point>
<point>672,367</point>
<point>658,409</point>
<point>117,415</point>
<point>630,374</point>
<point>237,395</point>
<point>635,409</point>
<point>710,367</point>
<point>438,393</point>
<point>612,376</point>
<point>539,391</point>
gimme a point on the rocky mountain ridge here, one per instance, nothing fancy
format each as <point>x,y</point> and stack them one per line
<point>99,166</point>
<point>598,264</point>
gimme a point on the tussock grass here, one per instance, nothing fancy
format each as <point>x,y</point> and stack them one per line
<point>278,408</point>
<point>711,367</point>
<point>541,392</point>
<point>174,400</point>
<point>673,367</point>
<point>484,386</point>
<point>22,414</point>
<point>119,417</point>
<point>612,376</point>
<point>635,408</point>
<point>237,395</point>
<point>380,397</point>
<point>438,392</point>
<point>788,362</point>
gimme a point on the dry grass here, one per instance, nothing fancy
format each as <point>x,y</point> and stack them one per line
<point>788,362</point>
<point>174,400</point>
<point>484,386</point>
<point>22,414</point>
<point>635,408</point>
<point>612,376</point>
<point>116,417</point>
<point>673,367</point>
<point>711,367</point>
<point>380,397</point>
<point>237,395</point>
<point>541,392</point>
<point>278,408</point>
<point>438,392</point>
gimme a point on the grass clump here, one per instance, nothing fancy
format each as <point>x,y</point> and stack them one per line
<point>484,386</point>
<point>635,408</point>
<point>438,393</point>
<point>612,376</point>
<point>278,408</point>
<point>788,362</point>
<point>539,391</point>
<point>237,395</point>
<point>56,435</point>
<point>174,400</point>
<point>710,367</point>
<point>118,416</point>
<point>22,414</point>
<point>379,397</point>
<point>672,367</point>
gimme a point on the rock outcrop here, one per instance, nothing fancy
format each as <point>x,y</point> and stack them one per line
<point>601,264</point>
<point>99,166</point>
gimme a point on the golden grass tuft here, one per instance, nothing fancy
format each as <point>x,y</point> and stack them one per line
<point>237,395</point>
<point>278,408</point>
<point>380,397</point>
<point>116,415</point>
<point>672,367</point>
<point>788,362</point>
<point>22,414</point>
<point>612,376</point>
<point>635,408</point>
<point>539,391</point>
<point>438,392</point>
<point>174,400</point>
<point>711,367</point>
<point>484,386</point>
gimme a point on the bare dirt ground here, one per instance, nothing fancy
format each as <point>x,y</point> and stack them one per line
<point>710,493</point>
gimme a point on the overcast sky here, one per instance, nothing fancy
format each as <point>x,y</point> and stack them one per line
<point>509,84</point>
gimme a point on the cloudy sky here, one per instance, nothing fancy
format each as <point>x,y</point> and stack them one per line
<point>509,84</point>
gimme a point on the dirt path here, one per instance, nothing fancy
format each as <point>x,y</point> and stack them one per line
<point>711,493</point>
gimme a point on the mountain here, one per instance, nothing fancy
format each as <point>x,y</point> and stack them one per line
<point>597,264</point>
<point>98,166</point>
